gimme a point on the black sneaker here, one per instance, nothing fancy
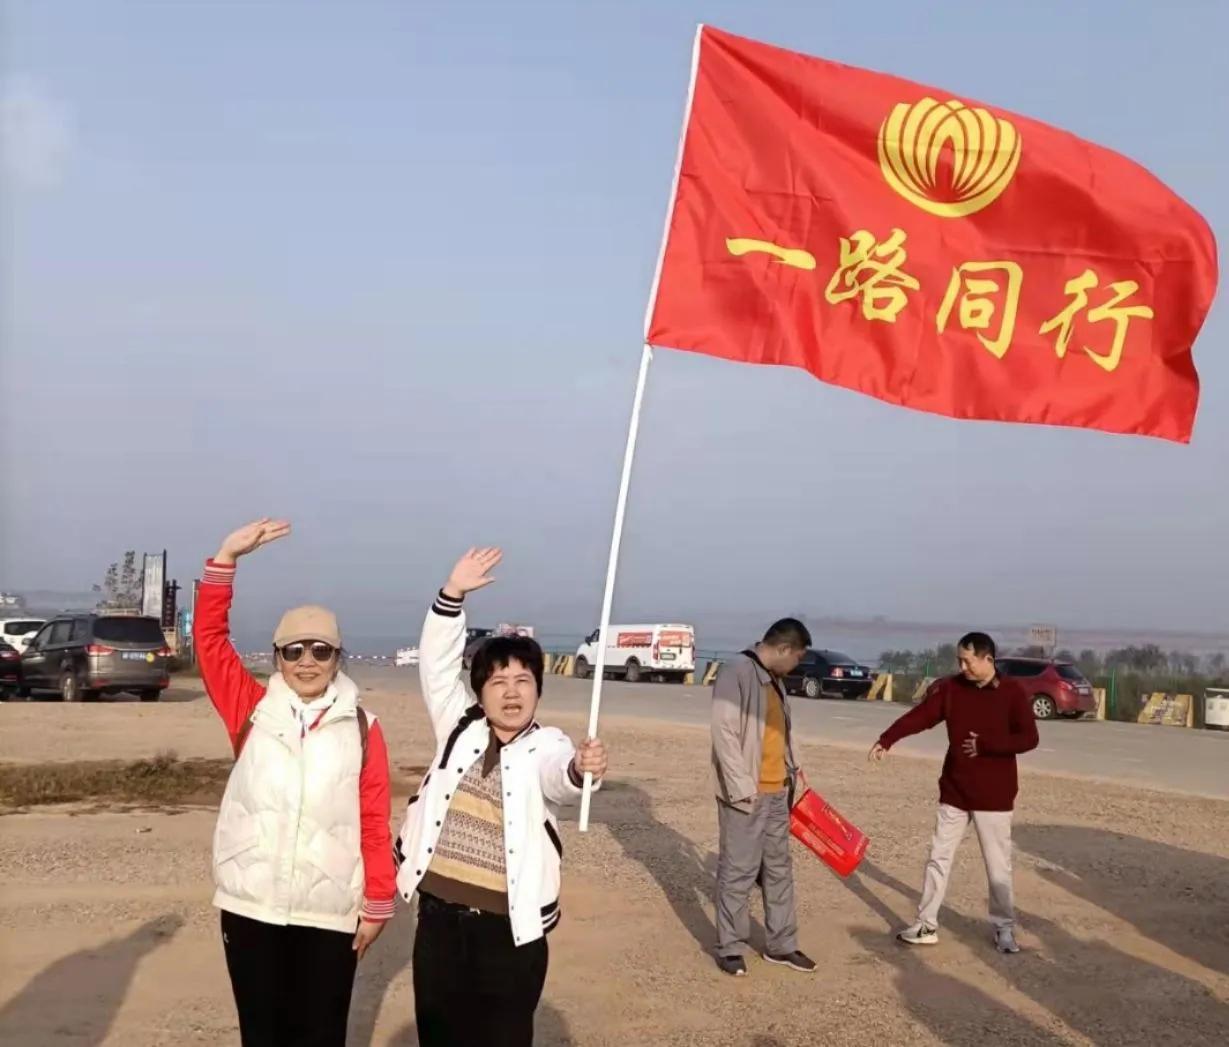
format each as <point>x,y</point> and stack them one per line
<point>734,965</point>
<point>797,961</point>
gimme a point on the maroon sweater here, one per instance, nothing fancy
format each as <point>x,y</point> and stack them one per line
<point>1001,716</point>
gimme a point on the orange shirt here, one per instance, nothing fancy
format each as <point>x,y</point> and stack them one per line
<point>772,760</point>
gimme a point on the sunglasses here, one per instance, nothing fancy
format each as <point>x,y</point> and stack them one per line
<point>321,652</point>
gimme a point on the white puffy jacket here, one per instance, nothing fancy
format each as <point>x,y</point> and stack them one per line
<point>535,782</point>
<point>287,845</point>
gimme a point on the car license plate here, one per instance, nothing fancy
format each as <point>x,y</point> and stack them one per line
<point>138,656</point>
<point>667,656</point>
<point>856,672</point>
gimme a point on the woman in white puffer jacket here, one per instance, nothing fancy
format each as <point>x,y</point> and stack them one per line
<point>302,855</point>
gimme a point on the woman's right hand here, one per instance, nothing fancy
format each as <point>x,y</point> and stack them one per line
<point>473,571</point>
<point>250,537</point>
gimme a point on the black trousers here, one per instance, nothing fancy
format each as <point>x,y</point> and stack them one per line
<point>292,984</point>
<point>472,985</point>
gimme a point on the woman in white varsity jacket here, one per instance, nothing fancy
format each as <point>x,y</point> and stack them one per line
<point>481,842</point>
<point>302,854</point>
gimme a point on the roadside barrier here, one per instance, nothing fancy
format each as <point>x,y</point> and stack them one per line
<point>1168,710</point>
<point>881,689</point>
<point>1100,693</point>
<point>548,662</point>
<point>923,686</point>
<point>564,665</point>
<point>710,673</point>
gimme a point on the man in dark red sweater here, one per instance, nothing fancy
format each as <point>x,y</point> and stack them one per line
<point>989,722</point>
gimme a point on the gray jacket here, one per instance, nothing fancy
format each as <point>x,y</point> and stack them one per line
<point>738,730</point>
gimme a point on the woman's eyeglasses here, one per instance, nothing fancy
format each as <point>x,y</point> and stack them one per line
<point>321,652</point>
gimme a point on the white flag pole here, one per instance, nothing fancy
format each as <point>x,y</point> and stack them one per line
<point>629,454</point>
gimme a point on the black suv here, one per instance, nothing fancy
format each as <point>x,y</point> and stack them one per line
<point>87,655</point>
<point>829,674</point>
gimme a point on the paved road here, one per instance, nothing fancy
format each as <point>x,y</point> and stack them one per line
<point>1154,757</point>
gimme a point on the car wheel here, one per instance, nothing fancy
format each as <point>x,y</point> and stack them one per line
<point>633,671</point>
<point>581,669</point>
<point>152,694</point>
<point>1043,707</point>
<point>810,687</point>
<point>70,687</point>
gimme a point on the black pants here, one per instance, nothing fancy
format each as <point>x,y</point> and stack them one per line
<point>472,985</point>
<point>292,984</point>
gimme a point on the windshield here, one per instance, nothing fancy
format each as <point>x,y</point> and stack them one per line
<point>21,628</point>
<point>128,630</point>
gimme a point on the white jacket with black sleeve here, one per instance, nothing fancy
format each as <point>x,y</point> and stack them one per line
<point>536,781</point>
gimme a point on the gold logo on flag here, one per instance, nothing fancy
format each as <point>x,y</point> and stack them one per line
<point>946,158</point>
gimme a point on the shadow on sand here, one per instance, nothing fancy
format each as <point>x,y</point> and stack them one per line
<point>76,999</point>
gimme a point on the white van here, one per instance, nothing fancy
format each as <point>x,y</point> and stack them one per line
<point>638,651</point>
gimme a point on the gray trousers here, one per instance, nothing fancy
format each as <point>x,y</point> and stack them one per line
<point>994,834</point>
<point>755,847</point>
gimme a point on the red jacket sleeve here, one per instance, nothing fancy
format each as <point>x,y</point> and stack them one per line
<point>380,890</point>
<point>232,689</point>
<point>1021,735</point>
<point>922,717</point>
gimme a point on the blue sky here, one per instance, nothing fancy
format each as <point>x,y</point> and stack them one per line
<point>382,268</point>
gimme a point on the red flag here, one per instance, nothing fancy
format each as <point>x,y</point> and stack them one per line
<point>929,251</point>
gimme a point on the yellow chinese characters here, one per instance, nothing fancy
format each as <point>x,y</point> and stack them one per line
<point>1078,287</point>
<point>974,285</point>
<point>791,256</point>
<point>872,271</point>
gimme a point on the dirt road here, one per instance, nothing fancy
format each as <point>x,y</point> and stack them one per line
<point>108,937</point>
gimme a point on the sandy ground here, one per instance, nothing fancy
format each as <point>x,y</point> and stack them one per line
<point>107,936</point>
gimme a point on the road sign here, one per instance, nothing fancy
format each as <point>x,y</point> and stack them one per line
<point>1043,636</point>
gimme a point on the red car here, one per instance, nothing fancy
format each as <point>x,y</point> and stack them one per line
<point>10,669</point>
<point>1056,688</point>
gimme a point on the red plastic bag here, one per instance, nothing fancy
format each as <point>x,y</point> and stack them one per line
<point>816,823</point>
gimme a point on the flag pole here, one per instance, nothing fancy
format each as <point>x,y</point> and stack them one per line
<point>612,567</point>
<point>629,454</point>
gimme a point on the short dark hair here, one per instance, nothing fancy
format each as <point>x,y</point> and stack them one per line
<point>788,631</point>
<point>980,644</point>
<point>498,653</point>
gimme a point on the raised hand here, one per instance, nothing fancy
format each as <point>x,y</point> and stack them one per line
<point>250,537</point>
<point>473,571</point>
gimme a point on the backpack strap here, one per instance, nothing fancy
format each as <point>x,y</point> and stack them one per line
<point>364,729</point>
<point>474,712</point>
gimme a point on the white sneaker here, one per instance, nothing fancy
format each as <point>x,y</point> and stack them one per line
<point>1005,940</point>
<point>919,934</point>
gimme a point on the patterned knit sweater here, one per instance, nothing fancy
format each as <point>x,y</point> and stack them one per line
<point>468,866</point>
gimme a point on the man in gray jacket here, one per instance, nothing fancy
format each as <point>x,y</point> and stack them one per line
<point>753,761</point>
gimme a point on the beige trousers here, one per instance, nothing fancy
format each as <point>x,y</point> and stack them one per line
<point>994,835</point>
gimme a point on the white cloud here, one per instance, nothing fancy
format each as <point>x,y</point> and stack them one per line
<point>36,134</point>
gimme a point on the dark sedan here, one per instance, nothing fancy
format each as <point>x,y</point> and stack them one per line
<point>829,674</point>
